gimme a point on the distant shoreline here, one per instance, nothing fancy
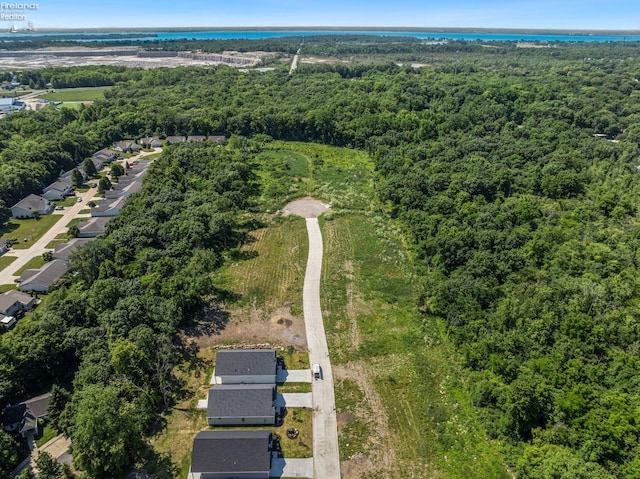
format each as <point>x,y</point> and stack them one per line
<point>533,31</point>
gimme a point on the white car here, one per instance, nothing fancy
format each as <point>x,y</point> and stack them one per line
<point>79,200</point>
<point>317,371</point>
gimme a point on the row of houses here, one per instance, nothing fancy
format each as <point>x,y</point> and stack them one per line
<point>244,393</point>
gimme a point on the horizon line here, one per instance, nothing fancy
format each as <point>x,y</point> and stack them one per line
<point>343,28</point>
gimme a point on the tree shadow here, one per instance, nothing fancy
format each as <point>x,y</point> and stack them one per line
<point>212,321</point>
<point>155,465</point>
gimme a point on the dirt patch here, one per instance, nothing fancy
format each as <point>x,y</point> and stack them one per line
<point>251,325</point>
<point>356,467</point>
<point>307,208</point>
<point>344,418</point>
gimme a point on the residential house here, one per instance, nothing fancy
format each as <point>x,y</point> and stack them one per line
<point>219,139</point>
<point>108,208</point>
<point>245,366</point>
<point>23,417</point>
<point>196,138</point>
<point>242,404</point>
<point>126,146</point>
<point>150,142</point>
<point>31,205</point>
<point>57,191</point>
<point>93,227</point>
<point>13,302</point>
<point>176,139</point>
<point>124,190</point>
<point>103,156</point>
<point>67,176</point>
<point>64,250</point>
<point>231,454</point>
<point>40,280</point>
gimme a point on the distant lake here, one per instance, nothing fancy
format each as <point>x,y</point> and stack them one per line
<point>226,34</point>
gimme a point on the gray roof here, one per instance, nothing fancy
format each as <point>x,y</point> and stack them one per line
<point>232,451</point>
<point>108,205</point>
<point>11,297</point>
<point>94,225</point>
<point>37,406</point>
<point>58,185</point>
<point>176,139</point>
<point>242,400</point>
<point>6,303</point>
<point>196,138</point>
<point>47,275</point>
<point>63,250</point>
<point>246,362</point>
<point>33,203</point>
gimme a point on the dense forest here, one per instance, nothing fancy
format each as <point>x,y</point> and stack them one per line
<point>513,172</point>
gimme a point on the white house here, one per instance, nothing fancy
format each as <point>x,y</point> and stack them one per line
<point>31,205</point>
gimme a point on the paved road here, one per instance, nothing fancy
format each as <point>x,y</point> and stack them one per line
<point>326,460</point>
<point>7,275</point>
<point>39,247</point>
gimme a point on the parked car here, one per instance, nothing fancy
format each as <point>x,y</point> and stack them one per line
<point>59,208</point>
<point>79,200</point>
<point>317,371</point>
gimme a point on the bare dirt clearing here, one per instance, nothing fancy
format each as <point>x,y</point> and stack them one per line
<point>307,208</point>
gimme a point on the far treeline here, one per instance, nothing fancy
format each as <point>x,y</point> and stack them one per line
<point>514,173</point>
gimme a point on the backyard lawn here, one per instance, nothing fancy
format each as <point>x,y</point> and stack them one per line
<point>76,94</point>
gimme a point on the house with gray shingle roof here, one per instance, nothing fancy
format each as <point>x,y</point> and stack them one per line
<point>93,227</point>
<point>64,250</point>
<point>150,142</point>
<point>176,139</point>
<point>245,366</point>
<point>108,207</point>
<point>241,404</point>
<point>12,302</point>
<point>23,417</point>
<point>236,454</point>
<point>126,146</point>
<point>31,205</point>
<point>40,280</point>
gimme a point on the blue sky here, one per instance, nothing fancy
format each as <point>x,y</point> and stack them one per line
<point>558,14</point>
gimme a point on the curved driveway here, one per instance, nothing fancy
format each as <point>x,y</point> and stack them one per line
<point>326,460</point>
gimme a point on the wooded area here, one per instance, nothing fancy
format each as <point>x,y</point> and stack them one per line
<point>523,224</point>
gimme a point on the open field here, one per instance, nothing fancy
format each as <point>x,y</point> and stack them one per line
<point>27,232</point>
<point>77,94</point>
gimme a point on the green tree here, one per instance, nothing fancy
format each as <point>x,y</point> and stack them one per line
<point>117,170</point>
<point>8,454</point>
<point>48,467</point>
<point>89,167</point>
<point>76,178</point>
<point>103,185</point>
<point>106,436</point>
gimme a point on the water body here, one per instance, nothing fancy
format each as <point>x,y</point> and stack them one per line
<point>226,34</point>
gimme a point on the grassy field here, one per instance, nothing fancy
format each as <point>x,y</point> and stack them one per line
<point>76,94</point>
<point>7,287</point>
<point>33,263</point>
<point>6,261</point>
<point>27,232</point>
<point>401,398</point>
<point>269,269</point>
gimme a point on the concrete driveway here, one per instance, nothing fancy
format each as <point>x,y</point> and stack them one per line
<point>293,376</point>
<point>294,400</point>
<point>292,468</point>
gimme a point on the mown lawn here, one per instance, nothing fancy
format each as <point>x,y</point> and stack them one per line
<point>76,94</point>
<point>6,261</point>
<point>27,232</point>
